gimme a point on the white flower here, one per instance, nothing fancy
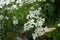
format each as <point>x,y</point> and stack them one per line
<point>39,8</point>
<point>25,1</point>
<point>0,6</point>
<point>40,22</point>
<point>7,8</point>
<point>30,12</point>
<point>43,19</point>
<point>7,2</point>
<point>58,24</point>
<point>32,8</point>
<point>38,32</point>
<point>1,17</point>
<point>34,0</point>
<point>26,28</point>
<point>30,1</point>
<point>34,36</point>
<point>20,2</point>
<point>28,17</point>
<point>3,2</point>
<point>36,12</point>
<point>53,0</point>
<point>34,20</point>
<point>14,17</point>
<point>6,17</point>
<point>31,21</point>
<point>15,22</point>
<point>29,25</point>
<point>33,14</point>
<point>46,29</point>
<point>14,7</point>
<point>12,0</point>
<point>39,0</point>
<point>41,33</point>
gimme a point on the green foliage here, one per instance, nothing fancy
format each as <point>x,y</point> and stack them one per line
<point>54,35</point>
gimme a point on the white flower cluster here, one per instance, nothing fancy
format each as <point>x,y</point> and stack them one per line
<point>15,21</point>
<point>34,20</point>
<point>33,14</point>
<point>7,2</point>
<point>20,2</point>
<point>53,0</point>
<point>39,31</point>
<point>14,7</point>
<point>29,25</point>
<point>1,17</point>
<point>58,24</point>
<point>29,1</point>
<point>3,2</point>
<point>32,1</point>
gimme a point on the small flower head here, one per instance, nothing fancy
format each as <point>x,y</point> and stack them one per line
<point>1,17</point>
<point>15,22</point>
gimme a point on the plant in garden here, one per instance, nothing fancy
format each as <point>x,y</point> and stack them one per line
<point>19,16</point>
